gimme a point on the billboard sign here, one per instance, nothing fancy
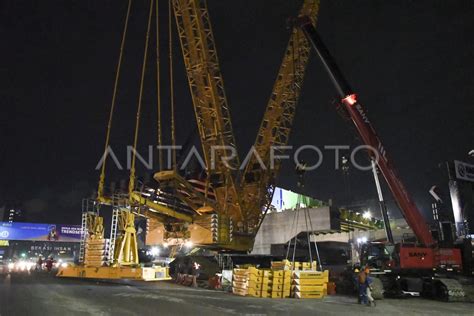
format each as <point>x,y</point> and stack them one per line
<point>36,231</point>
<point>464,171</point>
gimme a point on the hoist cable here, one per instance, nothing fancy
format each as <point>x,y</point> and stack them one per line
<point>294,99</point>
<point>315,244</point>
<point>296,57</point>
<point>139,106</point>
<point>289,241</point>
<point>158,89</point>
<point>308,233</point>
<point>100,191</point>
<point>170,49</point>
<point>296,235</point>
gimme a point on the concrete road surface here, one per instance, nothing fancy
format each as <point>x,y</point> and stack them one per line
<point>43,294</point>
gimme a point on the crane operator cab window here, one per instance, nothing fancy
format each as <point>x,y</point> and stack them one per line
<point>376,255</point>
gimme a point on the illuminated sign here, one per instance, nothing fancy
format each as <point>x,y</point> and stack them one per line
<point>464,171</point>
<point>43,232</point>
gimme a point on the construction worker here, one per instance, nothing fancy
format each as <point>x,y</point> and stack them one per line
<point>39,263</point>
<point>371,301</point>
<point>49,263</point>
<point>362,286</point>
<point>356,282</point>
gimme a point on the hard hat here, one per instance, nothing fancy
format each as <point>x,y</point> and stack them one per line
<point>356,270</point>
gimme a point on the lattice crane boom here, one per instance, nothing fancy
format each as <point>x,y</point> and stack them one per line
<point>258,183</point>
<point>209,100</point>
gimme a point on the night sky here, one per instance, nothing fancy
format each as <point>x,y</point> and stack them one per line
<point>411,63</point>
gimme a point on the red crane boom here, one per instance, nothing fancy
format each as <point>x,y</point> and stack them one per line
<point>369,137</point>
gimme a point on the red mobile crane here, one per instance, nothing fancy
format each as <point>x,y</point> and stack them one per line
<point>409,261</point>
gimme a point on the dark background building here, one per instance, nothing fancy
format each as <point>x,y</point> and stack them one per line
<point>12,213</point>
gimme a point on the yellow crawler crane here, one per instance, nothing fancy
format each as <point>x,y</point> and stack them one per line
<point>228,218</point>
<point>239,200</point>
<point>226,214</point>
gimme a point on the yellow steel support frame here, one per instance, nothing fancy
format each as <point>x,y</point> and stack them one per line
<point>127,251</point>
<point>258,183</point>
<point>191,197</point>
<point>95,226</point>
<point>209,100</point>
<point>158,208</point>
